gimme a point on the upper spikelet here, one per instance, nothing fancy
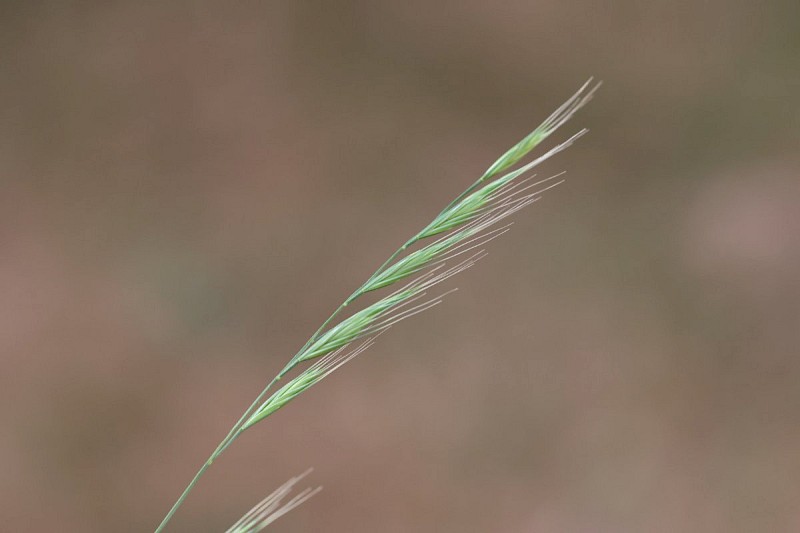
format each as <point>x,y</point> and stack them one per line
<point>553,122</point>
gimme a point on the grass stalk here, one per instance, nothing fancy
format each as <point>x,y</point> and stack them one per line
<point>464,224</point>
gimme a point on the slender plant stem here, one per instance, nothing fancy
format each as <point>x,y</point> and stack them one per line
<point>185,493</point>
<point>235,431</point>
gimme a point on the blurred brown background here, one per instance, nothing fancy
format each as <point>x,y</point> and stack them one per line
<point>189,188</point>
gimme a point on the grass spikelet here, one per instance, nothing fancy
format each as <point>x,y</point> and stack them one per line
<point>545,129</point>
<point>382,314</point>
<point>305,380</point>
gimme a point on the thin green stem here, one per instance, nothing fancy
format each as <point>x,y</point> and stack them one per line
<point>185,493</point>
<point>230,437</point>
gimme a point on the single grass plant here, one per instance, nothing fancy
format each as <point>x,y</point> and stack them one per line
<point>450,244</point>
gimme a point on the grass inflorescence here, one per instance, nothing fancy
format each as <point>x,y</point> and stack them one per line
<point>461,229</point>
